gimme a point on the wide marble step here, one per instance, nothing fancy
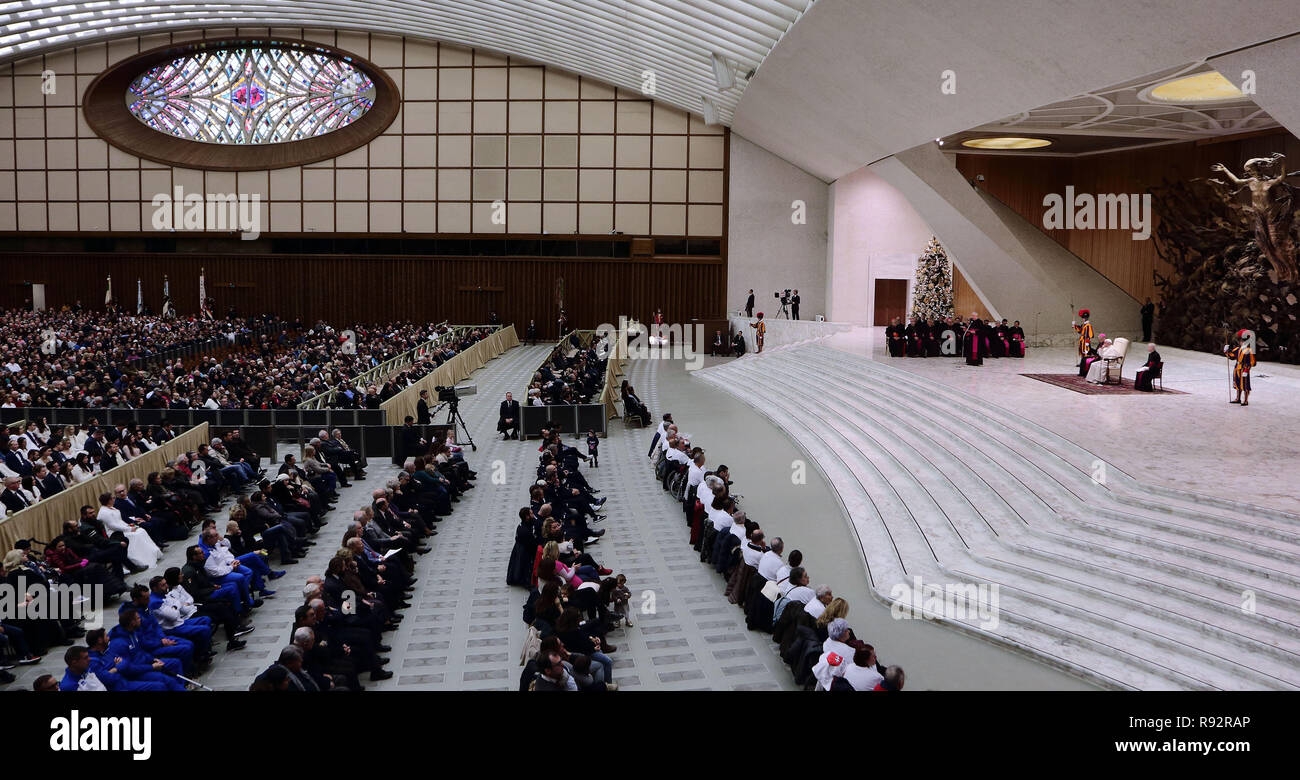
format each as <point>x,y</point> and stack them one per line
<point>926,509</point>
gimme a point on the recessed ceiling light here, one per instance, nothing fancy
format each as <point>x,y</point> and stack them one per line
<point>1207,87</point>
<point>1006,142</point>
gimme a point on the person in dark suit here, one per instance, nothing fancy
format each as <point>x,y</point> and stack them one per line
<point>46,482</point>
<point>94,445</point>
<point>794,304</point>
<point>531,333</point>
<point>1148,312</point>
<point>749,304</point>
<point>17,460</point>
<point>412,442</point>
<point>12,496</point>
<point>422,408</point>
<point>508,422</point>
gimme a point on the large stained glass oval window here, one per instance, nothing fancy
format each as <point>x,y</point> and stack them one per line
<point>251,95</point>
<point>241,104</point>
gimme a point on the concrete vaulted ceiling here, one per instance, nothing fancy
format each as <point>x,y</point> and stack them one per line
<point>855,81</point>
<point>615,41</point>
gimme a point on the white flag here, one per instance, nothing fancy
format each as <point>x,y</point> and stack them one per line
<point>108,294</point>
<point>139,296</point>
<point>203,296</point>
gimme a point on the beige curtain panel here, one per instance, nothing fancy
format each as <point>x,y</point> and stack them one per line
<point>44,520</point>
<point>455,370</point>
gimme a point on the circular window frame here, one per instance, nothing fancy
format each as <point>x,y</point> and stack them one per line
<point>107,114</point>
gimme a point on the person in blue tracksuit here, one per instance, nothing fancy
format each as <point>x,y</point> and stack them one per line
<point>152,637</point>
<point>105,665</point>
<point>138,664</point>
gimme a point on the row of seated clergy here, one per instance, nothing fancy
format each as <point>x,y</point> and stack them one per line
<point>949,338</point>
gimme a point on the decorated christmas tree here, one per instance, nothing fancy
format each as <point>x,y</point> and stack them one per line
<point>932,290</point>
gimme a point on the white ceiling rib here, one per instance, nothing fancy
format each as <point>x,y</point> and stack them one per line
<point>614,41</point>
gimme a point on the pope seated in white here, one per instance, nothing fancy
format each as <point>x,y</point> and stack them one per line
<point>1097,371</point>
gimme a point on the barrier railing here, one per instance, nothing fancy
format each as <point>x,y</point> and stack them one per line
<point>574,419</point>
<point>449,373</point>
<point>613,370</point>
<point>324,399</point>
<point>393,365</point>
<point>44,519</point>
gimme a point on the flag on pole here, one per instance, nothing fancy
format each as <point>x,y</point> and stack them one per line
<point>108,294</point>
<point>167,298</point>
<point>203,297</point>
<point>139,296</point>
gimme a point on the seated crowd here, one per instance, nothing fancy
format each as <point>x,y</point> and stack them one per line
<point>40,461</point>
<point>775,590</point>
<point>338,630</point>
<point>165,626</point>
<point>571,375</point>
<point>87,362</point>
<point>573,601</point>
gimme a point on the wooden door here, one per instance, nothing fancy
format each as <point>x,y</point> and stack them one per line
<point>891,300</point>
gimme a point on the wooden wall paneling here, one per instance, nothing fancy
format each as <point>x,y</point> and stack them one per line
<point>964,298</point>
<point>1021,183</point>
<point>349,289</point>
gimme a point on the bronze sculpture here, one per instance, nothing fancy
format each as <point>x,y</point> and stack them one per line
<point>1271,207</point>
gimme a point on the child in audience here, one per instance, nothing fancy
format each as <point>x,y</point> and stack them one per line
<point>593,444</point>
<point>623,600</point>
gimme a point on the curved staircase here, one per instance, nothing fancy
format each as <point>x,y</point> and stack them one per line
<point>1128,584</point>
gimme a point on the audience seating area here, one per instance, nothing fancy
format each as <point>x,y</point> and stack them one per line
<point>72,358</point>
<point>111,524</point>
<point>574,603</point>
<point>775,591</point>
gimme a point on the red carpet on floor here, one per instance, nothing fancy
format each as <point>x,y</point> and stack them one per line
<point>1080,385</point>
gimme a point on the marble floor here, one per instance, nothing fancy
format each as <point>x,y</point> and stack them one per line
<point>979,474</point>
<point>1197,442</point>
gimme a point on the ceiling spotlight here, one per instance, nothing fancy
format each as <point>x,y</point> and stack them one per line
<point>1207,87</point>
<point>1006,142</point>
<point>722,72</point>
<point>710,111</point>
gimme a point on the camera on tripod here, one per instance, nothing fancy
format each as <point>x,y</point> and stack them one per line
<point>450,395</point>
<point>784,296</point>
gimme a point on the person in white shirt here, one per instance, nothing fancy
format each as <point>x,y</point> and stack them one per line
<point>834,661</point>
<point>660,434</point>
<point>771,562</point>
<point>738,526</point>
<point>796,587</point>
<point>862,673</point>
<point>817,606</point>
<point>752,552</point>
<point>694,477</point>
<point>140,549</point>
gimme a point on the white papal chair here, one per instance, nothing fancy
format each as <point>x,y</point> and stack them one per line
<point>1115,365</point>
